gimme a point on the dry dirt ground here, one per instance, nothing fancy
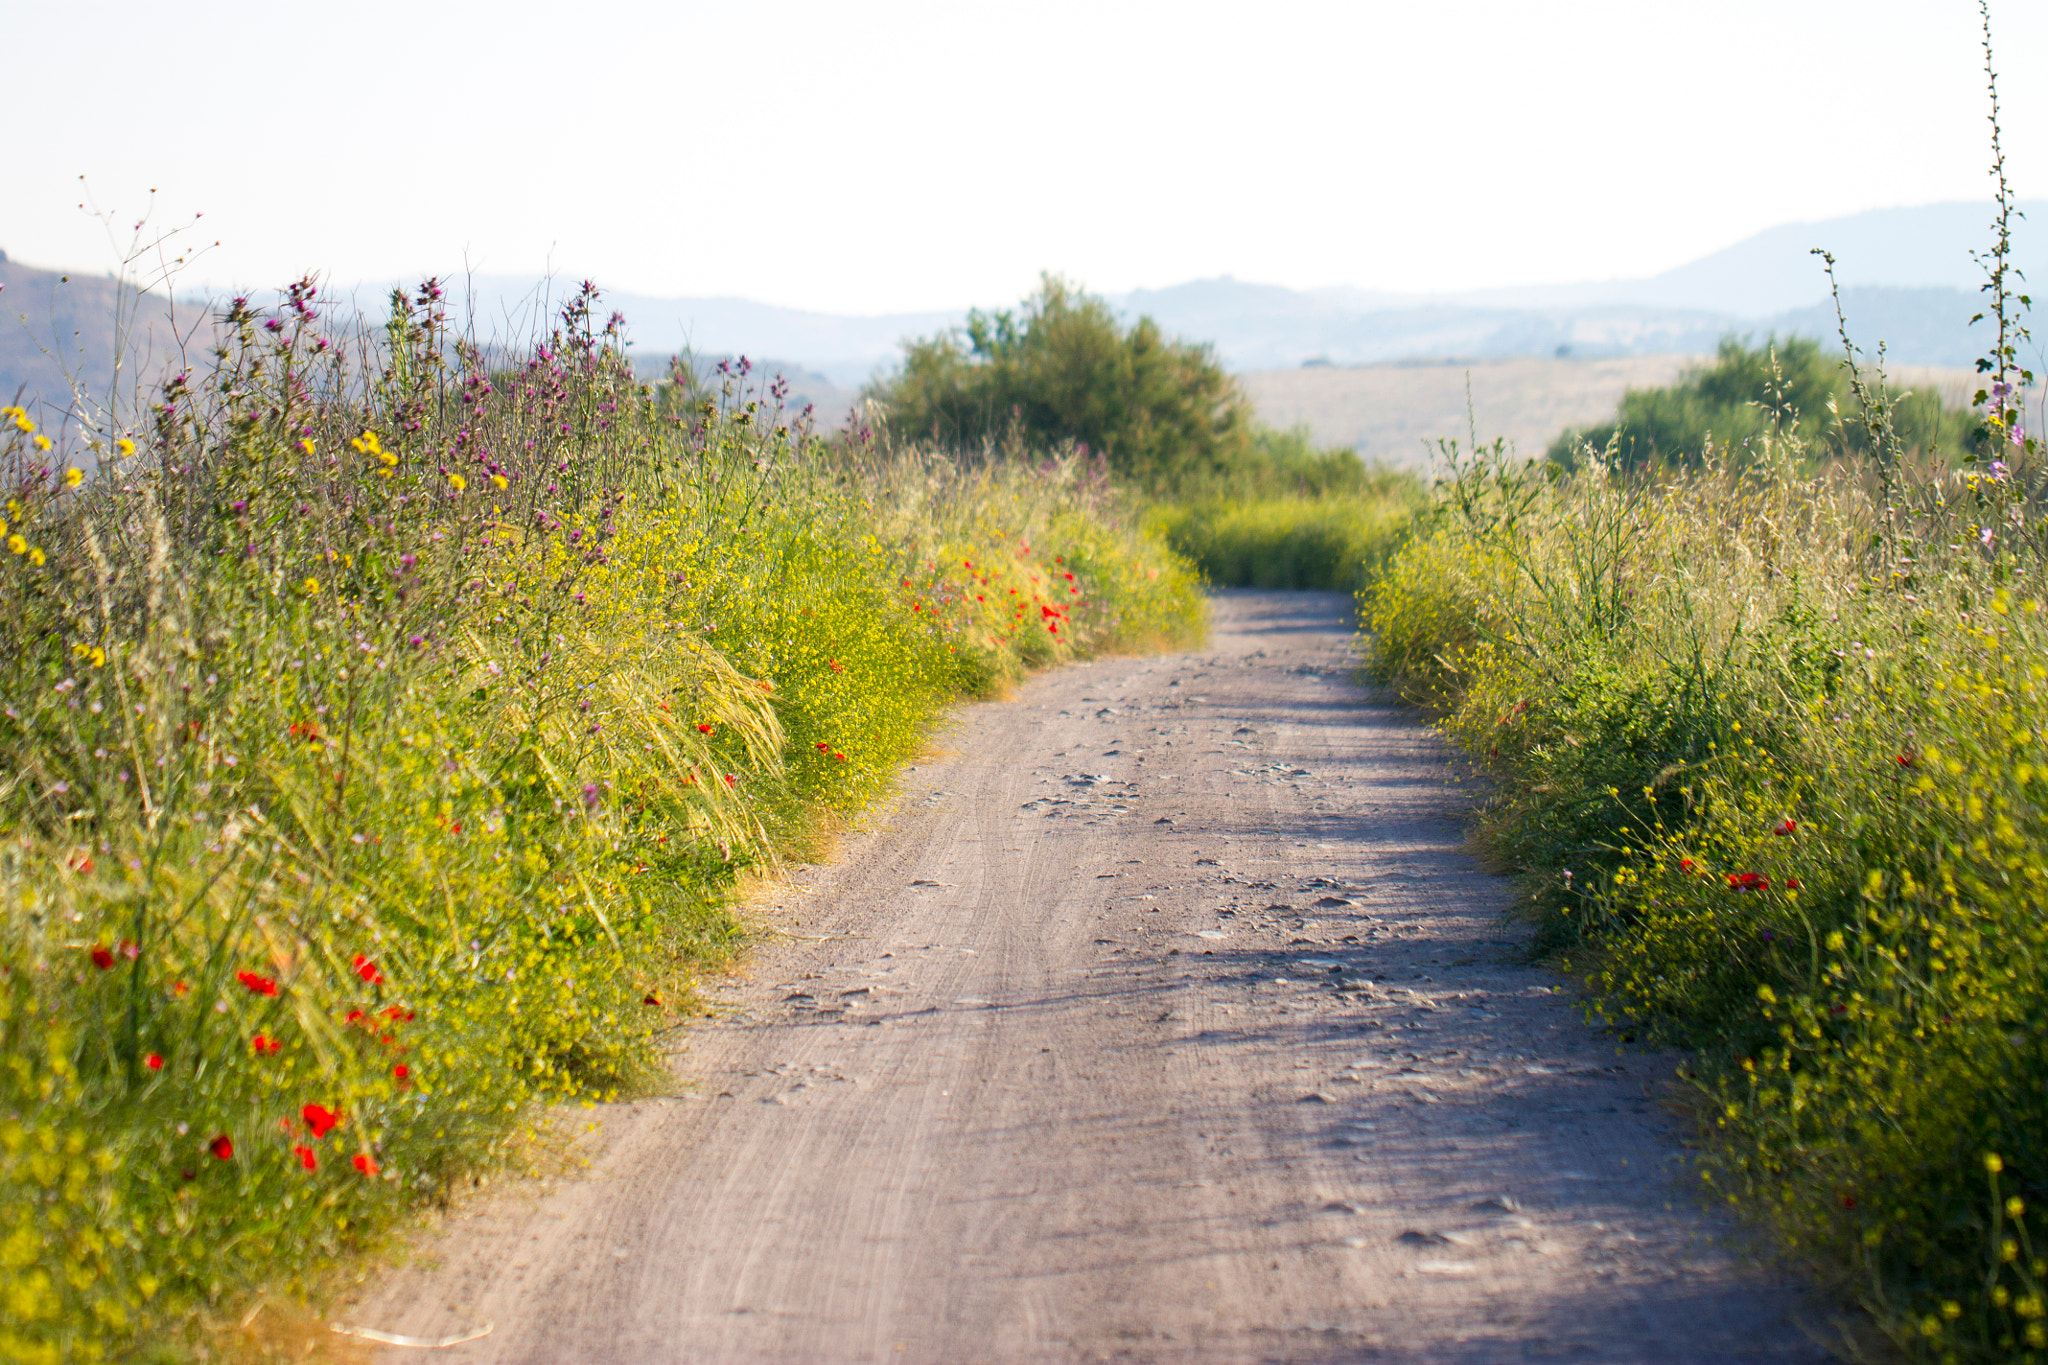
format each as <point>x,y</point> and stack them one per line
<point>1168,1021</point>
<point>1394,413</point>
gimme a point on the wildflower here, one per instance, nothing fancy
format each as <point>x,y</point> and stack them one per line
<point>222,1147</point>
<point>305,1156</point>
<point>35,556</point>
<point>703,728</point>
<point>259,985</point>
<point>179,989</point>
<point>1686,865</point>
<point>102,956</point>
<point>266,1046</point>
<point>650,999</point>
<point>1748,881</point>
<point>1791,883</point>
<point>457,482</point>
<point>840,757</point>
<point>310,587</point>
<point>1998,471</point>
<point>499,482</point>
<point>364,1164</point>
<point>1787,826</point>
<point>367,970</point>
<point>732,779</point>
<point>125,446</point>
<point>17,545</point>
<point>402,1072</point>
<point>154,1061</point>
<point>589,795</point>
<point>835,665</point>
<point>73,477</point>
<point>42,443</point>
<point>320,1120</point>
<point>1984,536</point>
<point>1905,758</point>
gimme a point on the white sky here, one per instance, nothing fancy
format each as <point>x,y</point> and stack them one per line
<point>884,155</point>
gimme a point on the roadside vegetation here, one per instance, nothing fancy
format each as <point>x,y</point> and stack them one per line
<point>1249,505</point>
<point>386,732</point>
<point>1762,718</point>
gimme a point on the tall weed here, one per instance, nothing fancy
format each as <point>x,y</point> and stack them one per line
<point>388,726</point>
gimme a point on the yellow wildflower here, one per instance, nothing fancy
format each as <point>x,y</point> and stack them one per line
<point>22,423</point>
<point>42,443</point>
<point>125,446</point>
<point>35,556</point>
<point>307,445</point>
<point>310,586</point>
<point>17,545</point>
<point>457,482</point>
<point>73,477</point>
<point>498,481</point>
<point>98,656</point>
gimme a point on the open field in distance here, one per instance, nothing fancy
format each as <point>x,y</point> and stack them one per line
<point>1394,413</point>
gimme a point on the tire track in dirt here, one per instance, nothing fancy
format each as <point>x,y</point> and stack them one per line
<point>1169,1020</point>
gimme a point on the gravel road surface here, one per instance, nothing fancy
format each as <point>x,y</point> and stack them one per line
<point>1167,1020</point>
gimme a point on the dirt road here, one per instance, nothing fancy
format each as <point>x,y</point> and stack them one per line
<point>1168,1021</point>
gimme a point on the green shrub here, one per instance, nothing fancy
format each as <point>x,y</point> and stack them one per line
<point>1748,393</point>
<point>1064,370</point>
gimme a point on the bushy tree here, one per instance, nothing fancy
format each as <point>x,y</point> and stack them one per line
<point>1161,411</point>
<point>1747,391</point>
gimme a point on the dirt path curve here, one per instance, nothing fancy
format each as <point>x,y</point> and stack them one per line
<point>1168,1021</point>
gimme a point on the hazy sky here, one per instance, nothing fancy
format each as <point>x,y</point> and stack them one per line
<point>860,156</point>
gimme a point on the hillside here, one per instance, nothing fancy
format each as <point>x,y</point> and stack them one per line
<point>58,333</point>
<point>1394,413</point>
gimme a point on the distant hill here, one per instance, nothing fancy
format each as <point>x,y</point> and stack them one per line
<point>58,328</point>
<point>1907,276</point>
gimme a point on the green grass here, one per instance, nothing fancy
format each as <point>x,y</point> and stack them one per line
<point>1336,541</point>
<point>381,751</point>
<point>1766,754</point>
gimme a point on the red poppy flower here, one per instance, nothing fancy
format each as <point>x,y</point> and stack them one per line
<point>1791,883</point>
<point>178,988</point>
<point>1748,881</point>
<point>703,728</point>
<point>266,1046</point>
<point>320,1120</point>
<point>402,1072</point>
<point>367,970</point>
<point>353,1017</point>
<point>154,1061</point>
<point>364,1164</point>
<point>823,747</point>
<point>102,956</point>
<point>1905,759</point>
<point>306,1157</point>
<point>835,665</point>
<point>399,1012</point>
<point>840,757</point>
<point>222,1146</point>
<point>1686,864</point>
<point>261,985</point>
<point>1787,826</point>
<point>82,864</point>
